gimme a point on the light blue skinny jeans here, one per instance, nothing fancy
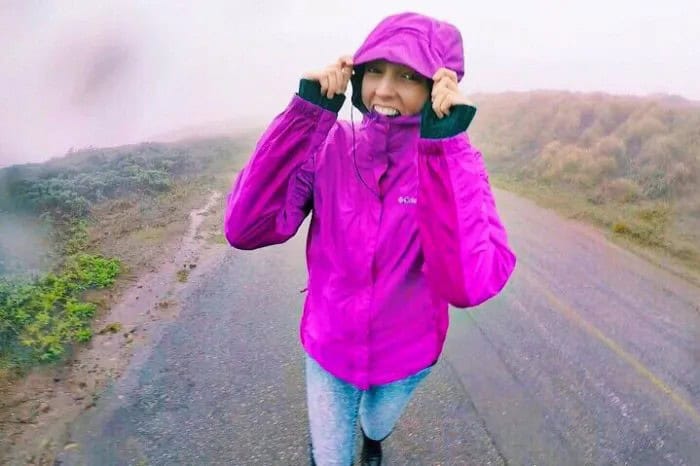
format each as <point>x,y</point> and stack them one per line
<point>334,406</point>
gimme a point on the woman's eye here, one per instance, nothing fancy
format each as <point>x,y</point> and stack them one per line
<point>373,69</point>
<point>410,76</point>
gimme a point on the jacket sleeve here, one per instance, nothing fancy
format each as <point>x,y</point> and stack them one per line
<point>467,259</point>
<point>273,194</point>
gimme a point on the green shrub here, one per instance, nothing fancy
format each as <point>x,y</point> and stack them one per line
<point>39,320</point>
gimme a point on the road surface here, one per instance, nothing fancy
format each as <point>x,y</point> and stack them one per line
<point>590,356</point>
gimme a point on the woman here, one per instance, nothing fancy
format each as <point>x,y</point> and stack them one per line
<point>403,224</point>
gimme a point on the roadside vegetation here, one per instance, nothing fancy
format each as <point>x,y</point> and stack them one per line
<point>629,165</point>
<point>75,228</point>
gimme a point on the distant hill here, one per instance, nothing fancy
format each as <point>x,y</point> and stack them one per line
<point>634,162</point>
<point>67,186</point>
<point>40,201</point>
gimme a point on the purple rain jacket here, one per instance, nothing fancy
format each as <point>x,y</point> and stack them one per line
<point>403,219</point>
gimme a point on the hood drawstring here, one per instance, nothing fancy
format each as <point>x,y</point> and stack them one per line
<point>354,157</point>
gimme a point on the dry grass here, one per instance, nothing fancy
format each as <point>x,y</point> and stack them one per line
<point>141,231</point>
<point>183,275</point>
<point>649,228</point>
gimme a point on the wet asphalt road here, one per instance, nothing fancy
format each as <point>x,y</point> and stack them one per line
<point>591,356</point>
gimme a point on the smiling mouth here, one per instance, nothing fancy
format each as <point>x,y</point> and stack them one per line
<point>386,111</point>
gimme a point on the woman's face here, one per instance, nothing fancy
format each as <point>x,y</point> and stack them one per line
<point>392,89</point>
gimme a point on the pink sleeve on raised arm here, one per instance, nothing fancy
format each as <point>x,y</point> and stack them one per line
<point>274,192</point>
<point>465,246</point>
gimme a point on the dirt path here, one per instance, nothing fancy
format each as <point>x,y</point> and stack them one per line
<point>36,413</point>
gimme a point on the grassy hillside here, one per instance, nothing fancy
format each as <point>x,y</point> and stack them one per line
<point>628,164</point>
<point>86,221</point>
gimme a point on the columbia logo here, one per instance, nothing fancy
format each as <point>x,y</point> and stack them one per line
<point>407,200</point>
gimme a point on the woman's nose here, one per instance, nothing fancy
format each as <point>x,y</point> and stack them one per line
<point>385,87</point>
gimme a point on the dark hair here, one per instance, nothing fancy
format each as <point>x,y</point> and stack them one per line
<point>356,81</point>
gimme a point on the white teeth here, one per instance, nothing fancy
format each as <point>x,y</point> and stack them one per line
<point>388,111</point>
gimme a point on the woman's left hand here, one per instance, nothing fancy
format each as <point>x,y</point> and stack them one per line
<point>445,92</point>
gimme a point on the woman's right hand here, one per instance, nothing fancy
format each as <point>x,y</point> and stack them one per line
<point>334,78</point>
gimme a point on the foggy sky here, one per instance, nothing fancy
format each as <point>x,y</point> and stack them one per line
<point>75,74</point>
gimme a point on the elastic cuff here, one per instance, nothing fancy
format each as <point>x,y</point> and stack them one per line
<point>311,91</point>
<point>456,122</point>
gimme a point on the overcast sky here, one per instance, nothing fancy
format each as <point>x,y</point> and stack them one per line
<point>102,73</point>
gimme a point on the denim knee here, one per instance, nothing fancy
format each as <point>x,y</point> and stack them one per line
<point>382,406</point>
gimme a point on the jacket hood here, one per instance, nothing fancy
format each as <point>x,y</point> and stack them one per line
<point>411,39</point>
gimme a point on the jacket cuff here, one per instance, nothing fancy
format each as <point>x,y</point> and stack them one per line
<point>311,91</point>
<point>456,122</point>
